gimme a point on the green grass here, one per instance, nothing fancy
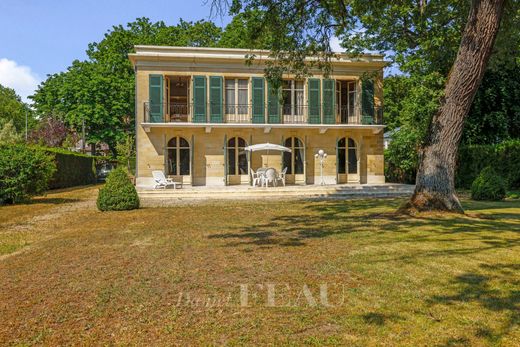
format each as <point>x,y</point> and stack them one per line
<point>174,275</point>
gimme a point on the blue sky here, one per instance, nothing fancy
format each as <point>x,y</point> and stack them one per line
<point>40,37</point>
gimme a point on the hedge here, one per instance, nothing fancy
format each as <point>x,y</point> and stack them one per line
<point>72,168</point>
<point>503,157</point>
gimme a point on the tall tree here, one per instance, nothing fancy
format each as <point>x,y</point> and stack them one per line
<point>13,110</point>
<point>439,37</point>
<point>100,91</point>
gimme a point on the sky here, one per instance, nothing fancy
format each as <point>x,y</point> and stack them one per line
<point>42,37</point>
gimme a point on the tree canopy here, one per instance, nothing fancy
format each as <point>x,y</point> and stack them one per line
<point>13,110</point>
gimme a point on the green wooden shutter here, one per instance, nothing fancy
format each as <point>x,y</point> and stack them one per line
<point>155,84</point>
<point>273,105</point>
<point>216,108</point>
<point>199,99</point>
<point>367,102</point>
<point>314,116</point>
<point>328,101</point>
<point>258,99</point>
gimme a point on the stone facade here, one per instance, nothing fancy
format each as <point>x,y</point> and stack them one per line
<point>208,141</point>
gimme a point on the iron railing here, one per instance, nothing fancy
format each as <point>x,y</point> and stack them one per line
<point>268,114</point>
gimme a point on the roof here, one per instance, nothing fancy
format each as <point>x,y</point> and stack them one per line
<point>155,53</point>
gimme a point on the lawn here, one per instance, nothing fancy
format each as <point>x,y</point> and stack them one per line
<point>252,272</point>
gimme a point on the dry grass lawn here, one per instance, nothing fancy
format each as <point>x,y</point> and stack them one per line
<point>250,273</point>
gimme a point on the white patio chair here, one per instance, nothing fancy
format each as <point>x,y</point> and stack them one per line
<point>281,177</point>
<point>256,178</point>
<point>270,176</point>
<point>161,181</point>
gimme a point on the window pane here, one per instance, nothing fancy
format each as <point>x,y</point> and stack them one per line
<point>287,162</point>
<point>242,163</point>
<point>298,85</point>
<point>231,142</point>
<point>299,102</point>
<point>352,161</point>
<point>298,161</point>
<point>172,162</point>
<point>351,143</point>
<point>172,142</point>
<point>286,94</point>
<point>298,142</point>
<point>288,142</point>
<point>183,142</point>
<point>243,83</point>
<point>342,161</point>
<point>241,142</point>
<point>242,101</point>
<point>184,161</point>
<point>341,142</point>
<point>230,98</point>
<point>231,162</point>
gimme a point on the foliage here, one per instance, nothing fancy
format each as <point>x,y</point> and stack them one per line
<point>246,31</point>
<point>495,114</point>
<point>118,193</point>
<point>12,109</point>
<point>50,132</point>
<point>8,134</point>
<point>401,156</point>
<point>126,150</point>
<point>72,168</point>
<point>100,90</point>
<point>25,172</point>
<point>488,186</point>
<point>503,157</point>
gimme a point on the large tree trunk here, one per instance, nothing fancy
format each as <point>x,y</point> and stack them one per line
<point>435,183</point>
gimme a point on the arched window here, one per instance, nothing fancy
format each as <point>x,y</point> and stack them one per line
<point>293,161</point>
<point>237,159</point>
<point>178,157</point>
<point>347,156</point>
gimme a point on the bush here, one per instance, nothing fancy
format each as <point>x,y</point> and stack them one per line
<point>24,172</point>
<point>401,157</point>
<point>488,186</point>
<point>118,193</point>
<point>72,168</point>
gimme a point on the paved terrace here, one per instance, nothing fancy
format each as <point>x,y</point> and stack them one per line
<point>152,197</point>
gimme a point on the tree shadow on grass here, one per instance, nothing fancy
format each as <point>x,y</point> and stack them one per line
<point>481,287</point>
<point>365,217</point>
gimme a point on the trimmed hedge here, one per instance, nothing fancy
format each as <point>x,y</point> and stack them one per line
<point>24,172</point>
<point>488,186</point>
<point>118,193</point>
<point>73,169</point>
<point>503,157</point>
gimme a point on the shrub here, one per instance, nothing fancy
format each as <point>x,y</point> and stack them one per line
<point>401,157</point>
<point>488,186</point>
<point>24,172</point>
<point>118,193</point>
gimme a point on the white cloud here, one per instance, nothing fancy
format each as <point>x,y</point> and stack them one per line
<point>18,77</point>
<point>335,45</point>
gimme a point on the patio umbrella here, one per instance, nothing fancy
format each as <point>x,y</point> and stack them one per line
<point>267,147</point>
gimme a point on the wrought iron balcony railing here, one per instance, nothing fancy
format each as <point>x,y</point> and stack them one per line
<point>253,114</point>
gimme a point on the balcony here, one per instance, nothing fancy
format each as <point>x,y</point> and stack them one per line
<point>252,114</point>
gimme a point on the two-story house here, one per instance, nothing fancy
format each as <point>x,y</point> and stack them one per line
<point>198,108</point>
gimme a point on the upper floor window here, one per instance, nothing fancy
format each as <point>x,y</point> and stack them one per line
<point>236,96</point>
<point>292,93</point>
